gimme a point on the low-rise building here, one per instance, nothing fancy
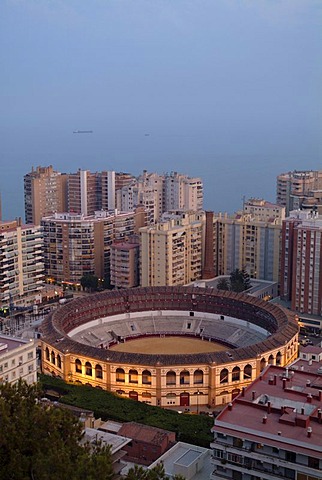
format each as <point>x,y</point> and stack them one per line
<point>17,360</point>
<point>272,430</point>
<point>148,443</point>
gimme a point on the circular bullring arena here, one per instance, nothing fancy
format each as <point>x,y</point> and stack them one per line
<point>168,346</point>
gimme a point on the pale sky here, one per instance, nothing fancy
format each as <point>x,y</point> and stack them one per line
<point>229,90</point>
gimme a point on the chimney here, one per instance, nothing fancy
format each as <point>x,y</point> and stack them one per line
<point>320,415</point>
<point>279,433</point>
<point>230,406</point>
<point>275,379</point>
<point>302,411</point>
<point>268,407</point>
<point>243,392</point>
<point>309,432</point>
<point>309,398</point>
<point>265,419</point>
<point>308,383</point>
<point>253,395</point>
<point>320,395</point>
<point>208,269</point>
<point>284,383</point>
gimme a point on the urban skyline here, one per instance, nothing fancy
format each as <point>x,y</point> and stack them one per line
<point>223,90</point>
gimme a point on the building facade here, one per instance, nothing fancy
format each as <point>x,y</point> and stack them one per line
<point>172,250</point>
<point>301,262</point>
<point>250,240</point>
<point>21,263</point>
<point>44,193</point>
<point>17,360</point>
<point>77,343</point>
<point>297,187</point>
<point>76,245</point>
<point>125,263</point>
<point>272,430</point>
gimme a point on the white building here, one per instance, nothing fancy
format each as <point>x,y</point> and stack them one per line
<point>21,263</point>
<point>17,360</point>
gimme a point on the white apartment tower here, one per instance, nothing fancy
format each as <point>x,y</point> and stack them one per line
<point>21,263</point>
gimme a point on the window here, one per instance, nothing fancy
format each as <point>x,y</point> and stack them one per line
<point>133,376</point>
<point>171,378</point>
<point>98,371</point>
<point>236,374</point>
<point>146,377</point>
<point>120,375</point>
<point>88,369</point>
<point>224,376</point>
<point>78,366</point>
<point>30,355</point>
<point>30,368</point>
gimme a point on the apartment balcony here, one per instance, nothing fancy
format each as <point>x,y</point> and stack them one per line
<point>271,467</point>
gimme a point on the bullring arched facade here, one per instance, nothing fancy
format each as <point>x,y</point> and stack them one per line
<point>174,380</point>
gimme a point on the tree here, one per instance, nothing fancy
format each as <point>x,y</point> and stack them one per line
<point>43,443</point>
<point>89,282</point>
<point>156,473</point>
<point>223,284</point>
<point>239,280</point>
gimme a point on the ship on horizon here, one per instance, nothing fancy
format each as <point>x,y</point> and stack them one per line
<point>83,131</point>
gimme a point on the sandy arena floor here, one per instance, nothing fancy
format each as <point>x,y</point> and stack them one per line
<point>166,345</point>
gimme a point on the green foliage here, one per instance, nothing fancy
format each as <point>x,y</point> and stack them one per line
<point>193,429</point>
<point>89,282</point>
<point>42,443</point>
<point>223,284</point>
<point>156,473</point>
<point>239,280</point>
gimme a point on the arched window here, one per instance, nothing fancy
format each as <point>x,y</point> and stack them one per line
<point>78,366</point>
<point>47,355</point>
<point>120,392</point>
<point>58,361</point>
<point>98,371</point>
<point>133,376</point>
<point>247,372</point>
<point>171,378</point>
<point>236,374</point>
<point>271,360</point>
<point>278,358</point>
<point>184,377</point>
<point>88,369</point>
<point>198,377</point>
<point>262,364</point>
<point>146,377</point>
<point>224,376</point>
<point>120,375</point>
<point>53,357</point>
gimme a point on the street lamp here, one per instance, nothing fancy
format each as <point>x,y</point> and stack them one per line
<point>198,393</point>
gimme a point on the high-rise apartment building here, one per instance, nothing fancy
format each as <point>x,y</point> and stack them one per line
<point>182,192</point>
<point>76,244</point>
<point>249,239</point>
<point>44,193</point>
<point>294,188</point>
<point>162,193</point>
<point>301,262</point>
<point>172,250</point>
<point>125,263</point>
<point>21,263</point>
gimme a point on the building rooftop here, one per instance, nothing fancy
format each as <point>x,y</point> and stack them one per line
<point>144,433</point>
<point>282,408</point>
<point>10,343</point>
<point>182,456</point>
<point>117,442</point>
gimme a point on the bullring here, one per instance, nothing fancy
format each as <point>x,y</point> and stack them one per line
<point>78,340</point>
